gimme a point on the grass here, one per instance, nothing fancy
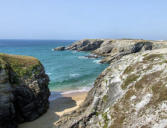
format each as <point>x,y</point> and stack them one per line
<point>104,115</point>
<point>129,69</point>
<point>118,121</point>
<point>20,65</point>
<point>159,93</point>
<point>105,98</point>
<point>152,57</point>
<point>146,80</point>
<point>129,79</point>
<point>129,94</point>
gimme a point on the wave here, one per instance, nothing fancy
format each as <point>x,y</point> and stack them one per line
<point>48,73</point>
<point>73,75</point>
<point>96,61</point>
<point>74,51</point>
<point>82,89</point>
<point>82,57</point>
<point>55,95</point>
<point>72,81</point>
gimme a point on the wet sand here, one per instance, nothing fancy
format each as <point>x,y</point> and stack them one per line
<point>64,104</point>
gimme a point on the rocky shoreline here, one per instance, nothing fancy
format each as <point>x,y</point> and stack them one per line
<point>112,49</point>
<point>130,93</point>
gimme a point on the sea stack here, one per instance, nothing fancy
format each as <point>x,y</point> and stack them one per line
<point>23,90</point>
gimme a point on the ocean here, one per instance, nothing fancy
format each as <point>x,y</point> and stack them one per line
<point>68,70</point>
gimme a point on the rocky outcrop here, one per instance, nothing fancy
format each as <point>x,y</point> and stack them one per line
<point>130,93</point>
<point>23,90</point>
<point>86,45</point>
<point>113,50</point>
<point>92,56</point>
<point>61,48</point>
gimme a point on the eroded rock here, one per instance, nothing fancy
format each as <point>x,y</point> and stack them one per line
<point>131,92</point>
<point>23,90</point>
<point>86,45</point>
<point>113,50</point>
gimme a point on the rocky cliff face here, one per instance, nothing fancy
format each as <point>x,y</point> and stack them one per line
<point>86,45</point>
<point>130,93</point>
<point>115,49</point>
<point>23,90</point>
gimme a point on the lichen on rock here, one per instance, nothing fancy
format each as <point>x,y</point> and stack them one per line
<point>131,92</point>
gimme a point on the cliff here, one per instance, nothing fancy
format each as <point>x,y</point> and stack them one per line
<point>23,90</point>
<point>130,93</point>
<point>86,45</point>
<point>112,50</point>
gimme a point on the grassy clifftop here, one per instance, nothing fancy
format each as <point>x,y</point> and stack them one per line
<point>24,90</point>
<point>21,65</point>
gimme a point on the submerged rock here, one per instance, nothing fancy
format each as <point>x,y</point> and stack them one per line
<point>130,93</point>
<point>23,90</point>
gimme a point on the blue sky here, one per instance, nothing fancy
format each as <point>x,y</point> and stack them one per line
<point>77,19</point>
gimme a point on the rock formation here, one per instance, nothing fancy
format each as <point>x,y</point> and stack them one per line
<point>112,49</point>
<point>130,93</point>
<point>86,45</point>
<point>61,48</point>
<point>23,90</point>
<point>115,49</point>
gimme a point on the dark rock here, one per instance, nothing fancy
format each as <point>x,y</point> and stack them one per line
<point>62,48</point>
<point>86,45</point>
<point>92,56</point>
<point>23,90</point>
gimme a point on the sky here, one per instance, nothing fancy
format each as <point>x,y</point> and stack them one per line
<point>78,19</point>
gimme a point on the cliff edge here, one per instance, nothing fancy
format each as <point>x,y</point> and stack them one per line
<point>23,90</point>
<point>114,49</point>
<point>131,92</point>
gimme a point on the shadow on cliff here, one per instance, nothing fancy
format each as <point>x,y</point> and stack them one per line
<point>50,117</point>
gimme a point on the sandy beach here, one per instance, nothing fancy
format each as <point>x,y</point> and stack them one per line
<point>63,104</point>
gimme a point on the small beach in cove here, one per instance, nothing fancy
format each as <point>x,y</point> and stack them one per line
<point>64,104</point>
<point>71,75</point>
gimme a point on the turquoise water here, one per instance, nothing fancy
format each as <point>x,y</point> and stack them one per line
<point>67,70</point>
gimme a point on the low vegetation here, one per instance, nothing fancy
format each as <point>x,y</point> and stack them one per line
<point>20,65</point>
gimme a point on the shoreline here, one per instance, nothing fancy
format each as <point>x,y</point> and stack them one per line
<point>62,104</point>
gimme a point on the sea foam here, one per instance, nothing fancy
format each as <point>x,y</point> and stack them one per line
<point>96,61</point>
<point>82,57</point>
<point>74,75</point>
<point>82,89</point>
